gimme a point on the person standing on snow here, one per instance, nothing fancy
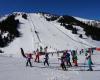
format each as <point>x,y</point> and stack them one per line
<point>46,56</point>
<point>68,59</point>
<point>37,59</point>
<point>73,53</point>
<point>90,51</point>
<point>75,59</point>
<point>41,49</point>
<point>88,57</point>
<point>63,62</point>
<point>45,49</point>
<point>46,59</point>
<point>29,57</point>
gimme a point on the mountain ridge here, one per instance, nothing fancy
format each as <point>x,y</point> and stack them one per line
<point>54,33</point>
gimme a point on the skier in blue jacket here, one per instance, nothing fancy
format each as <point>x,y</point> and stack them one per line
<point>88,57</point>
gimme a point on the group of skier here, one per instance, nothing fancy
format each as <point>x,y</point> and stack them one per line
<point>37,57</point>
<point>65,59</point>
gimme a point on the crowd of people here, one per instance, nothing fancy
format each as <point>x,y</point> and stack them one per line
<point>37,56</point>
<point>65,58</point>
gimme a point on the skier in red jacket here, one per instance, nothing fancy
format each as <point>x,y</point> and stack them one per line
<point>37,59</point>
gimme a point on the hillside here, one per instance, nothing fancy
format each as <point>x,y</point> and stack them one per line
<point>42,29</point>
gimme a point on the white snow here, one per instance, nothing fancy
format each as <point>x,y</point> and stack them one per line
<point>82,19</point>
<point>3,18</point>
<point>88,21</point>
<point>56,37</point>
<point>12,68</point>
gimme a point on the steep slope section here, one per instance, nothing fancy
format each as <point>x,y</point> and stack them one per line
<point>55,35</point>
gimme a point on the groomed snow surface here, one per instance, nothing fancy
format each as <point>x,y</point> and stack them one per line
<point>13,68</point>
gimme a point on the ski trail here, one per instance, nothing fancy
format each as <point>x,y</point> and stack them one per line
<point>78,41</point>
<point>60,31</point>
<point>51,29</point>
<point>34,28</point>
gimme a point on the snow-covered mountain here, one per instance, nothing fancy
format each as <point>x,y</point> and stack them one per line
<point>32,30</point>
<point>41,29</point>
<point>89,22</point>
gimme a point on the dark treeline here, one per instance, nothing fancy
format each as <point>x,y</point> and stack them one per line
<point>90,30</point>
<point>51,17</point>
<point>9,26</point>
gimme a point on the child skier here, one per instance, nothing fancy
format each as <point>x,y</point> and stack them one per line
<point>88,57</point>
<point>46,59</point>
<point>68,59</point>
<point>63,62</point>
<point>41,49</point>
<point>73,53</point>
<point>75,59</point>
<point>37,59</point>
<point>45,49</point>
<point>29,57</point>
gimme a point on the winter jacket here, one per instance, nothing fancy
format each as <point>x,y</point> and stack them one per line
<point>29,56</point>
<point>88,57</point>
<point>67,56</point>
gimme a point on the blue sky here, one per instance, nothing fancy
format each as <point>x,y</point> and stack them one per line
<point>82,8</point>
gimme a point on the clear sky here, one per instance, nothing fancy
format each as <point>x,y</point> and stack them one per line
<point>82,8</point>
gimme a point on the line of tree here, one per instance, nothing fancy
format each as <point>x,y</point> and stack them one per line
<point>90,30</point>
<point>24,16</point>
<point>49,16</point>
<point>9,26</point>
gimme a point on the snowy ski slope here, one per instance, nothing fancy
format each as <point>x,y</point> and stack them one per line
<point>49,34</point>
